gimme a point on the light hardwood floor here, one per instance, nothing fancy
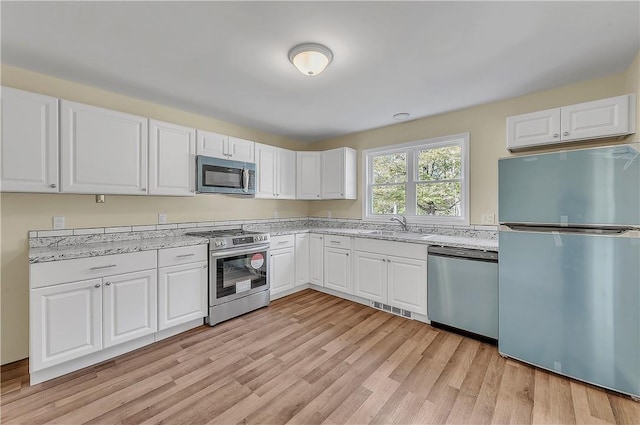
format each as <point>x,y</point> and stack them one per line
<point>311,358</point>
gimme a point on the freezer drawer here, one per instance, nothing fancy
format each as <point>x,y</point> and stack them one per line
<point>571,304</point>
<point>463,291</point>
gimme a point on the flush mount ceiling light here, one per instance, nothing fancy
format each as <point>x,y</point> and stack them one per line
<point>310,58</point>
<point>401,116</point>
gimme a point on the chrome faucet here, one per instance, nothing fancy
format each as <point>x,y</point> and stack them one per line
<point>402,221</point>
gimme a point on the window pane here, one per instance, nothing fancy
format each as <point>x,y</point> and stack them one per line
<point>388,199</point>
<point>439,164</point>
<point>390,168</point>
<point>439,199</point>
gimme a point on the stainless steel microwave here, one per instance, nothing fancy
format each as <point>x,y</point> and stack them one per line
<point>215,175</point>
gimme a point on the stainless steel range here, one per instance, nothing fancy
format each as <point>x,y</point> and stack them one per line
<point>238,273</point>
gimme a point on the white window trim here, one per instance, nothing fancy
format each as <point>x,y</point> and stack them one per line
<point>462,139</point>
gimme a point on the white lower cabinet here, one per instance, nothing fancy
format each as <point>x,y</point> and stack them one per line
<point>65,322</point>
<point>370,276</point>
<point>316,259</point>
<point>182,294</point>
<point>399,280</point>
<point>302,259</point>
<point>282,264</point>
<point>129,307</point>
<point>337,269</point>
<point>407,284</point>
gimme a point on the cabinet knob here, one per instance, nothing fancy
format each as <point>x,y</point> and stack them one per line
<point>53,186</point>
<point>107,283</point>
<point>347,254</point>
<point>97,285</point>
<point>556,135</point>
<point>317,196</point>
<point>143,189</point>
<point>342,194</point>
<point>566,133</point>
<point>204,267</point>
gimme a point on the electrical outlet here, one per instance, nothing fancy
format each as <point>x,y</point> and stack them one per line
<point>58,222</point>
<point>276,214</point>
<point>488,219</point>
<point>162,219</point>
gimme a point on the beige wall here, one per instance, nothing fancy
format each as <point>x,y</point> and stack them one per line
<point>486,125</point>
<point>23,212</point>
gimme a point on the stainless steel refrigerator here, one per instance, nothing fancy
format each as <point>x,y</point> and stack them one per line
<point>569,270</point>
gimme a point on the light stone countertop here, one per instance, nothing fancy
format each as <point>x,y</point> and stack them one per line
<point>421,238</point>
<point>94,249</point>
<point>45,254</point>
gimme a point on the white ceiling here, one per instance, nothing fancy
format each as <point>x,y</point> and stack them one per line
<point>229,60</point>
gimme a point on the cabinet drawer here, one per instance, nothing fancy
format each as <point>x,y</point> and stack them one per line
<point>56,272</point>
<point>284,241</point>
<point>181,255</point>
<point>337,241</point>
<point>398,249</point>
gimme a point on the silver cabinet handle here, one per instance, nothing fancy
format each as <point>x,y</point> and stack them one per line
<point>103,267</point>
<point>566,133</point>
<point>144,189</point>
<point>97,285</point>
<point>185,255</point>
<point>53,186</point>
<point>107,283</point>
<point>334,241</point>
<point>556,135</point>
<point>281,242</point>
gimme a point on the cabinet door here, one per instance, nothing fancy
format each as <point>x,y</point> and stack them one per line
<point>29,145</point>
<point>286,174</point>
<point>265,171</point>
<point>308,175</point>
<point>102,151</point>
<point>316,259</point>
<point>370,276</point>
<point>172,151</point>
<point>407,284</point>
<point>129,306</point>
<point>536,128</point>
<point>333,174</point>
<point>182,294</point>
<point>282,270</point>
<point>212,144</point>
<point>240,149</point>
<point>337,269</point>
<point>600,118</point>
<point>65,322</point>
<point>302,258</point>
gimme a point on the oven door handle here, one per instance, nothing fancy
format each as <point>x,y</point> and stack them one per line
<point>248,250</point>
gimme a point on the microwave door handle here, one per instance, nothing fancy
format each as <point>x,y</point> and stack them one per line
<point>245,180</point>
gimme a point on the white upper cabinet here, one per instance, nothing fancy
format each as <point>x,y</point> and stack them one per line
<point>265,157</point>
<point>102,151</point>
<point>172,151</point>
<point>309,175</point>
<point>240,149</point>
<point>221,146</point>
<point>286,174</point>
<point>339,174</point>
<point>601,118</point>
<point>276,172</point>
<point>533,129</point>
<point>29,146</point>
<point>609,117</point>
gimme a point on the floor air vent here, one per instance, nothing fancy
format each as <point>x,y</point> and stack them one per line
<point>394,310</point>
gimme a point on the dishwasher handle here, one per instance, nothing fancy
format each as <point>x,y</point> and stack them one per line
<point>466,253</point>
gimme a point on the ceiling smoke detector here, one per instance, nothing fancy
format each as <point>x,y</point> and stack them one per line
<point>401,116</point>
<point>310,58</point>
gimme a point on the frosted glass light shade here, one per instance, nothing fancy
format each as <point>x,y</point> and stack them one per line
<point>310,58</point>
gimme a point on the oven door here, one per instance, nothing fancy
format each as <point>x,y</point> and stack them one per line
<point>237,273</point>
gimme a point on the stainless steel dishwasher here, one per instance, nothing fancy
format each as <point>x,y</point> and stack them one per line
<point>463,290</point>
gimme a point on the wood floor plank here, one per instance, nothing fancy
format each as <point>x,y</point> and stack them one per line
<point>311,358</point>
